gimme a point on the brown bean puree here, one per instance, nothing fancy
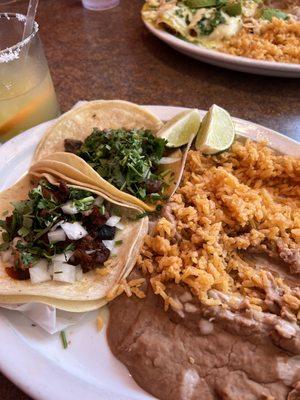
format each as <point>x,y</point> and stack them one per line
<point>205,353</point>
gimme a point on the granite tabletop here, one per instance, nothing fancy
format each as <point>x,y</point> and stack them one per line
<point>110,55</point>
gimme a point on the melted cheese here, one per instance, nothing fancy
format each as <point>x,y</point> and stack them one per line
<point>228,29</point>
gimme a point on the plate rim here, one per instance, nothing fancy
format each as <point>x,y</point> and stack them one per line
<point>219,56</point>
<point>12,340</point>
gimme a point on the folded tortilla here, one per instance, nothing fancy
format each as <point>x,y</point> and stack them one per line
<point>102,114</point>
<point>91,292</point>
<point>78,124</point>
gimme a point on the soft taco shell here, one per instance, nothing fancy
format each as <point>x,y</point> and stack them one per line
<point>89,293</point>
<point>78,124</point>
<point>103,114</point>
<point>74,169</point>
<point>65,305</point>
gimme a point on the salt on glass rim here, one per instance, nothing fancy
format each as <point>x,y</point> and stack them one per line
<point>12,53</point>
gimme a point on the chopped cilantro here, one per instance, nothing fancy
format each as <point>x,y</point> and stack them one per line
<point>33,218</point>
<point>84,204</point>
<point>23,231</point>
<point>125,158</point>
<point>64,339</point>
<point>77,194</point>
<point>4,246</point>
<point>102,209</point>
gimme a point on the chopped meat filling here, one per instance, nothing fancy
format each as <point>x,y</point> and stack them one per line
<point>106,232</point>
<point>94,221</point>
<point>59,194</point>
<point>153,186</point>
<point>19,274</point>
<point>90,253</point>
<point>72,145</point>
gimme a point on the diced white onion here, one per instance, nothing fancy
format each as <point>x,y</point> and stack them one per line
<point>79,273</point>
<point>69,208</point>
<point>74,231</point>
<point>120,226</point>
<point>40,273</point>
<point>64,257</point>
<point>109,244</point>
<point>57,236</point>
<point>98,201</point>
<point>168,160</point>
<point>113,220</point>
<point>6,256</point>
<point>54,227</point>
<point>64,272</point>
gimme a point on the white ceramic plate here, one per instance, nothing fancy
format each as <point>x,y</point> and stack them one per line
<point>36,361</point>
<point>228,61</point>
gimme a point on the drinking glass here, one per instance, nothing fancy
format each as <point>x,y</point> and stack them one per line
<point>27,95</point>
<point>98,5</point>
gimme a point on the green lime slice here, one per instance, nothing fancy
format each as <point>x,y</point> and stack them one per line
<point>180,129</point>
<point>216,133</point>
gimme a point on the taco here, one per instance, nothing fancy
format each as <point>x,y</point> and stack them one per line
<point>63,244</point>
<point>113,145</point>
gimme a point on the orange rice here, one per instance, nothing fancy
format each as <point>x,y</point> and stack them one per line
<point>245,198</point>
<point>276,41</point>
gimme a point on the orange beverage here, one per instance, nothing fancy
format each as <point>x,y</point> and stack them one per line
<point>27,95</point>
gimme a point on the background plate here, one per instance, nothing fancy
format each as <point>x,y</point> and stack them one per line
<point>36,361</point>
<point>224,60</point>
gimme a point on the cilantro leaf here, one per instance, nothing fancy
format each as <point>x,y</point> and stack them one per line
<point>4,246</point>
<point>125,158</point>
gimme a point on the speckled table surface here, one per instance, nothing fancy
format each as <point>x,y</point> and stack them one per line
<point>111,55</point>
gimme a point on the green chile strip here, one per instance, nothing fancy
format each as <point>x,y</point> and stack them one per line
<point>204,3</point>
<point>270,13</point>
<point>233,9</point>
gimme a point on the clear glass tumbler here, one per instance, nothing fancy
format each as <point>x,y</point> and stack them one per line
<point>27,95</point>
<point>98,5</point>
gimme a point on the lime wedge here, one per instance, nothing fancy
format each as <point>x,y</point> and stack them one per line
<point>216,133</point>
<point>181,128</point>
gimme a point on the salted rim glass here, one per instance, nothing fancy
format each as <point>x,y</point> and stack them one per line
<point>27,94</point>
<point>13,52</point>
